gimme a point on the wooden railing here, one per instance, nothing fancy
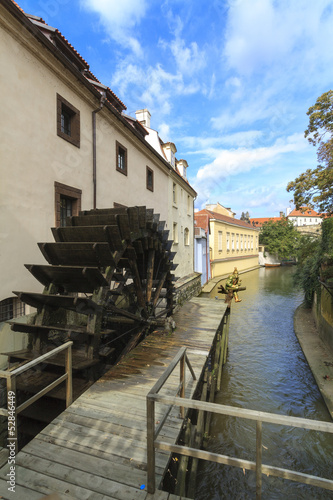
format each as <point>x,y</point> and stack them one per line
<point>152,443</point>
<point>10,376</point>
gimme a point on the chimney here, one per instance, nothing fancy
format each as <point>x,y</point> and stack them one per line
<point>143,116</point>
<point>281,214</point>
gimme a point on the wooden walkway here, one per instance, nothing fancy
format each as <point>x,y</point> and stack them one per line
<point>96,449</point>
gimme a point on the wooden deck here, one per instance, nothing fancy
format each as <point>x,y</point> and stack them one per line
<point>96,449</point>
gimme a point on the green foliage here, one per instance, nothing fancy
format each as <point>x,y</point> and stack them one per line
<point>280,238</point>
<point>315,261</point>
<point>314,188</point>
<point>245,216</point>
<point>308,267</point>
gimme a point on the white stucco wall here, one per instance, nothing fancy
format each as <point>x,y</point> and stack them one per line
<point>33,156</point>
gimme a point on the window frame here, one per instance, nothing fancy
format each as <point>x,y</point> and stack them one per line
<point>175,233</point>
<point>220,241</point>
<point>118,168</point>
<point>186,237</point>
<point>64,191</point>
<point>149,172</point>
<point>74,115</point>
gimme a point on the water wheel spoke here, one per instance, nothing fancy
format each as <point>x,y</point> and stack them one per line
<point>123,312</point>
<point>150,274</point>
<point>159,289</point>
<point>131,255</point>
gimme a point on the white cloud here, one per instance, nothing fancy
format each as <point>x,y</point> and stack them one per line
<point>229,162</point>
<point>189,59</point>
<point>264,33</point>
<point>208,145</point>
<point>155,88</point>
<point>119,19</point>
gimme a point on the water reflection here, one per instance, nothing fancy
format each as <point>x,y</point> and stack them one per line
<point>266,370</point>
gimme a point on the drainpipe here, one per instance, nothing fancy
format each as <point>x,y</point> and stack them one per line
<point>94,113</point>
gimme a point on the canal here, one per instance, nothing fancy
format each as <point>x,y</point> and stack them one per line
<point>267,371</point>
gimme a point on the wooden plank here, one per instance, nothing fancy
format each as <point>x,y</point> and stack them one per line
<point>77,254</point>
<point>79,234</point>
<point>70,278</point>
<point>85,463</point>
<point>20,493</point>
<point>46,485</point>
<point>100,485</point>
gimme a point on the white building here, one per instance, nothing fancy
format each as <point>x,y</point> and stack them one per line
<point>181,199</point>
<point>305,217</point>
<point>66,147</point>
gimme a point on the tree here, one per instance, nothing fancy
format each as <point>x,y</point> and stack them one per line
<point>314,188</point>
<point>280,238</point>
<point>245,216</point>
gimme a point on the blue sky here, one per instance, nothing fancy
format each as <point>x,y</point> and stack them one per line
<point>228,81</point>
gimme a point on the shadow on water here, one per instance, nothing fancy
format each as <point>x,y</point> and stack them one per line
<point>266,370</point>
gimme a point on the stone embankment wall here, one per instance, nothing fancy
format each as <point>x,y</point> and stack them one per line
<point>323,314</point>
<point>186,288</point>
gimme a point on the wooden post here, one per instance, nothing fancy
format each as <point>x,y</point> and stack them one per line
<point>259,460</point>
<point>69,381</point>
<point>150,445</point>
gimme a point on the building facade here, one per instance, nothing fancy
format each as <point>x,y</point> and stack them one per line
<point>232,242</point>
<point>181,198</point>
<point>67,145</point>
<point>305,217</point>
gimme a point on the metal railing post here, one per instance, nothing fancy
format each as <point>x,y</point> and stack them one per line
<point>182,382</point>
<point>150,444</point>
<point>258,460</point>
<point>69,382</point>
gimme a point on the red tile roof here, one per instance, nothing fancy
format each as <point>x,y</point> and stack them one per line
<point>224,218</point>
<point>64,46</point>
<point>304,212</point>
<point>258,222</point>
<point>201,220</point>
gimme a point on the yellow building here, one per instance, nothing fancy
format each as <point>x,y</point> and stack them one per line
<point>232,242</point>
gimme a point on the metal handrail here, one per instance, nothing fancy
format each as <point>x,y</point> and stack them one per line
<point>259,416</point>
<point>10,376</point>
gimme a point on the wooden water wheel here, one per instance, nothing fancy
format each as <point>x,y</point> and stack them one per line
<point>108,281</point>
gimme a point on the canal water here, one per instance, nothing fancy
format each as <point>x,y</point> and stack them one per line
<point>267,371</point>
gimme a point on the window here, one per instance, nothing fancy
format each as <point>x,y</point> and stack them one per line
<point>186,237</point>
<point>241,239</point>
<point>175,232</point>
<point>67,202</point>
<point>174,193</point>
<point>233,241</point>
<point>150,179</point>
<point>121,158</point>
<point>237,241</point>
<point>220,234</point>
<point>68,121</point>
<point>228,242</point>
<point>11,308</point>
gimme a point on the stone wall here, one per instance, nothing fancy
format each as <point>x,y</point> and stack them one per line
<point>186,288</point>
